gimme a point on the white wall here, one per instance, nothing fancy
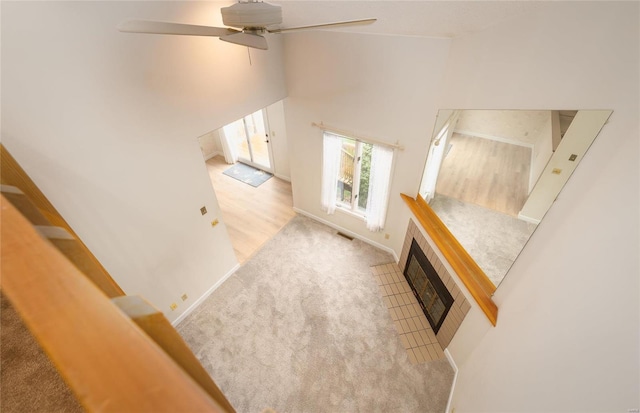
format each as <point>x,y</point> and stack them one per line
<point>106,123</point>
<point>210,144</point>
<point>381,87</point>
<point>518,127</point>
<point>567,334</point>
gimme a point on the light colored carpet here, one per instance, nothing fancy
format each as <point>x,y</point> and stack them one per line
<point>493,239</point>
<point>28,381</point>
<point>301,327</point>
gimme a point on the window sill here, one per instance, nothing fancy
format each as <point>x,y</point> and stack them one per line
<point>350,212</point>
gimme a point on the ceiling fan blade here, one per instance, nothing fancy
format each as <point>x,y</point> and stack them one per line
<point>247,39</point>
<point>318,26</point>
<point>154,27</point>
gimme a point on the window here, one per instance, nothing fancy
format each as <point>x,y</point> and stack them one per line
<point>356,178</point>
<point>353,179</point>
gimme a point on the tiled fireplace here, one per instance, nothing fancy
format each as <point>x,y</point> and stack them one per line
<point>431,293</point>
<point>443,302</point>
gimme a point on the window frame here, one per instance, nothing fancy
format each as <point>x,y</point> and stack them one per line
<point>352,206</point>
<point>334,173</point>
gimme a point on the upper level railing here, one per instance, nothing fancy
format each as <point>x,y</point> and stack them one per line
<point>37,208</point>
<point>116,353</point>
<point>109,363</point>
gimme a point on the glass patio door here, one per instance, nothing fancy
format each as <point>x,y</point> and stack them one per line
<point>250,138</point>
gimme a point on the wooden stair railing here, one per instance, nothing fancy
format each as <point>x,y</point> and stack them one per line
<point>37,208</point>
<point>156,325</point>
<point>109,363</point>
<point>70,246</point>
<point>22,268</point>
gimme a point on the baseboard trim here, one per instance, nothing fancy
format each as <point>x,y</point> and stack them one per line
<point>494,138</point>
<point>284,178</point>
<point>212,155</point>
<point>528,219</point>
<point>350,233</point>
<point>204,296</point>
<point>455,378</point>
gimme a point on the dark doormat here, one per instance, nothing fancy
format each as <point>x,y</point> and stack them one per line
<point>247,174</point>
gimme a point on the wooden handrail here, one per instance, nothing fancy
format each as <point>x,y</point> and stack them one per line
<point>472,276</point>
<point>106,359</point>
<point>71,247</point>
<point>12,174</point>
<point>156,325</point>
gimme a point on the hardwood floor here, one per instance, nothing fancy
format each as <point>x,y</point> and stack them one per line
<point>252,215</point>
<point>487,173</point>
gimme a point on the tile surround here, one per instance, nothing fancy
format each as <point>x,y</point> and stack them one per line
<point>460,306</point>
<point>415,332</point>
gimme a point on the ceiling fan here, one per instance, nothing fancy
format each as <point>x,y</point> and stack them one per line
<point>252,17</point>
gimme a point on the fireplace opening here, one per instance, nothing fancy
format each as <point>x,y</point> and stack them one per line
<point>432,294</point>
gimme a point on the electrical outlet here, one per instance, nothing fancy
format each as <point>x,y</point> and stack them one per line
<point>215,222</point>
<point>173,306</point>
<point>184,297</point>
<point>203,210</point>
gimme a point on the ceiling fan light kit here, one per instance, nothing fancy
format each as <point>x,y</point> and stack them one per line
<point>252,17</point>
<point>252,14</point>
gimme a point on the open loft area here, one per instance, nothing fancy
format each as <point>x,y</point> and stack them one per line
<point>110,125</point>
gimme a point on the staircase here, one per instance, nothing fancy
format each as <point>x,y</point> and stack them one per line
<point>115,352</point>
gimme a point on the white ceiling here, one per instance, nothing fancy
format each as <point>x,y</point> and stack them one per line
<point>418,18</point>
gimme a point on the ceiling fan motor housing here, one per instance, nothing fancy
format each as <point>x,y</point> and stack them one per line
<point>251,15</point>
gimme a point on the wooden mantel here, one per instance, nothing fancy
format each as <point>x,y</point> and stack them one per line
<point>476,281</point>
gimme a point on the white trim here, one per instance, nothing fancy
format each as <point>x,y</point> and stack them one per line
<point>347,134</point>
<point>528,219</point>
<point>532,183</point>
<point>267,131</point>
<point>204,296</point>
<point>494,138</point>
<point>284,178</point>
<point>455,378</point>
<point>256,165</point>
<point>350,233</point>
<point>344,209</point>
<point>212,155</point>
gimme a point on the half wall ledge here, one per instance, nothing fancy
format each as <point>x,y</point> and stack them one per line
<point>472,276</point>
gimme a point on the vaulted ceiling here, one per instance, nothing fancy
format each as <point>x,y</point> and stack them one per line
<point>446,19</point>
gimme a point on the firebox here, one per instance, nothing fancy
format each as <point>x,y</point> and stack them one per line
<point>432,294</point>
